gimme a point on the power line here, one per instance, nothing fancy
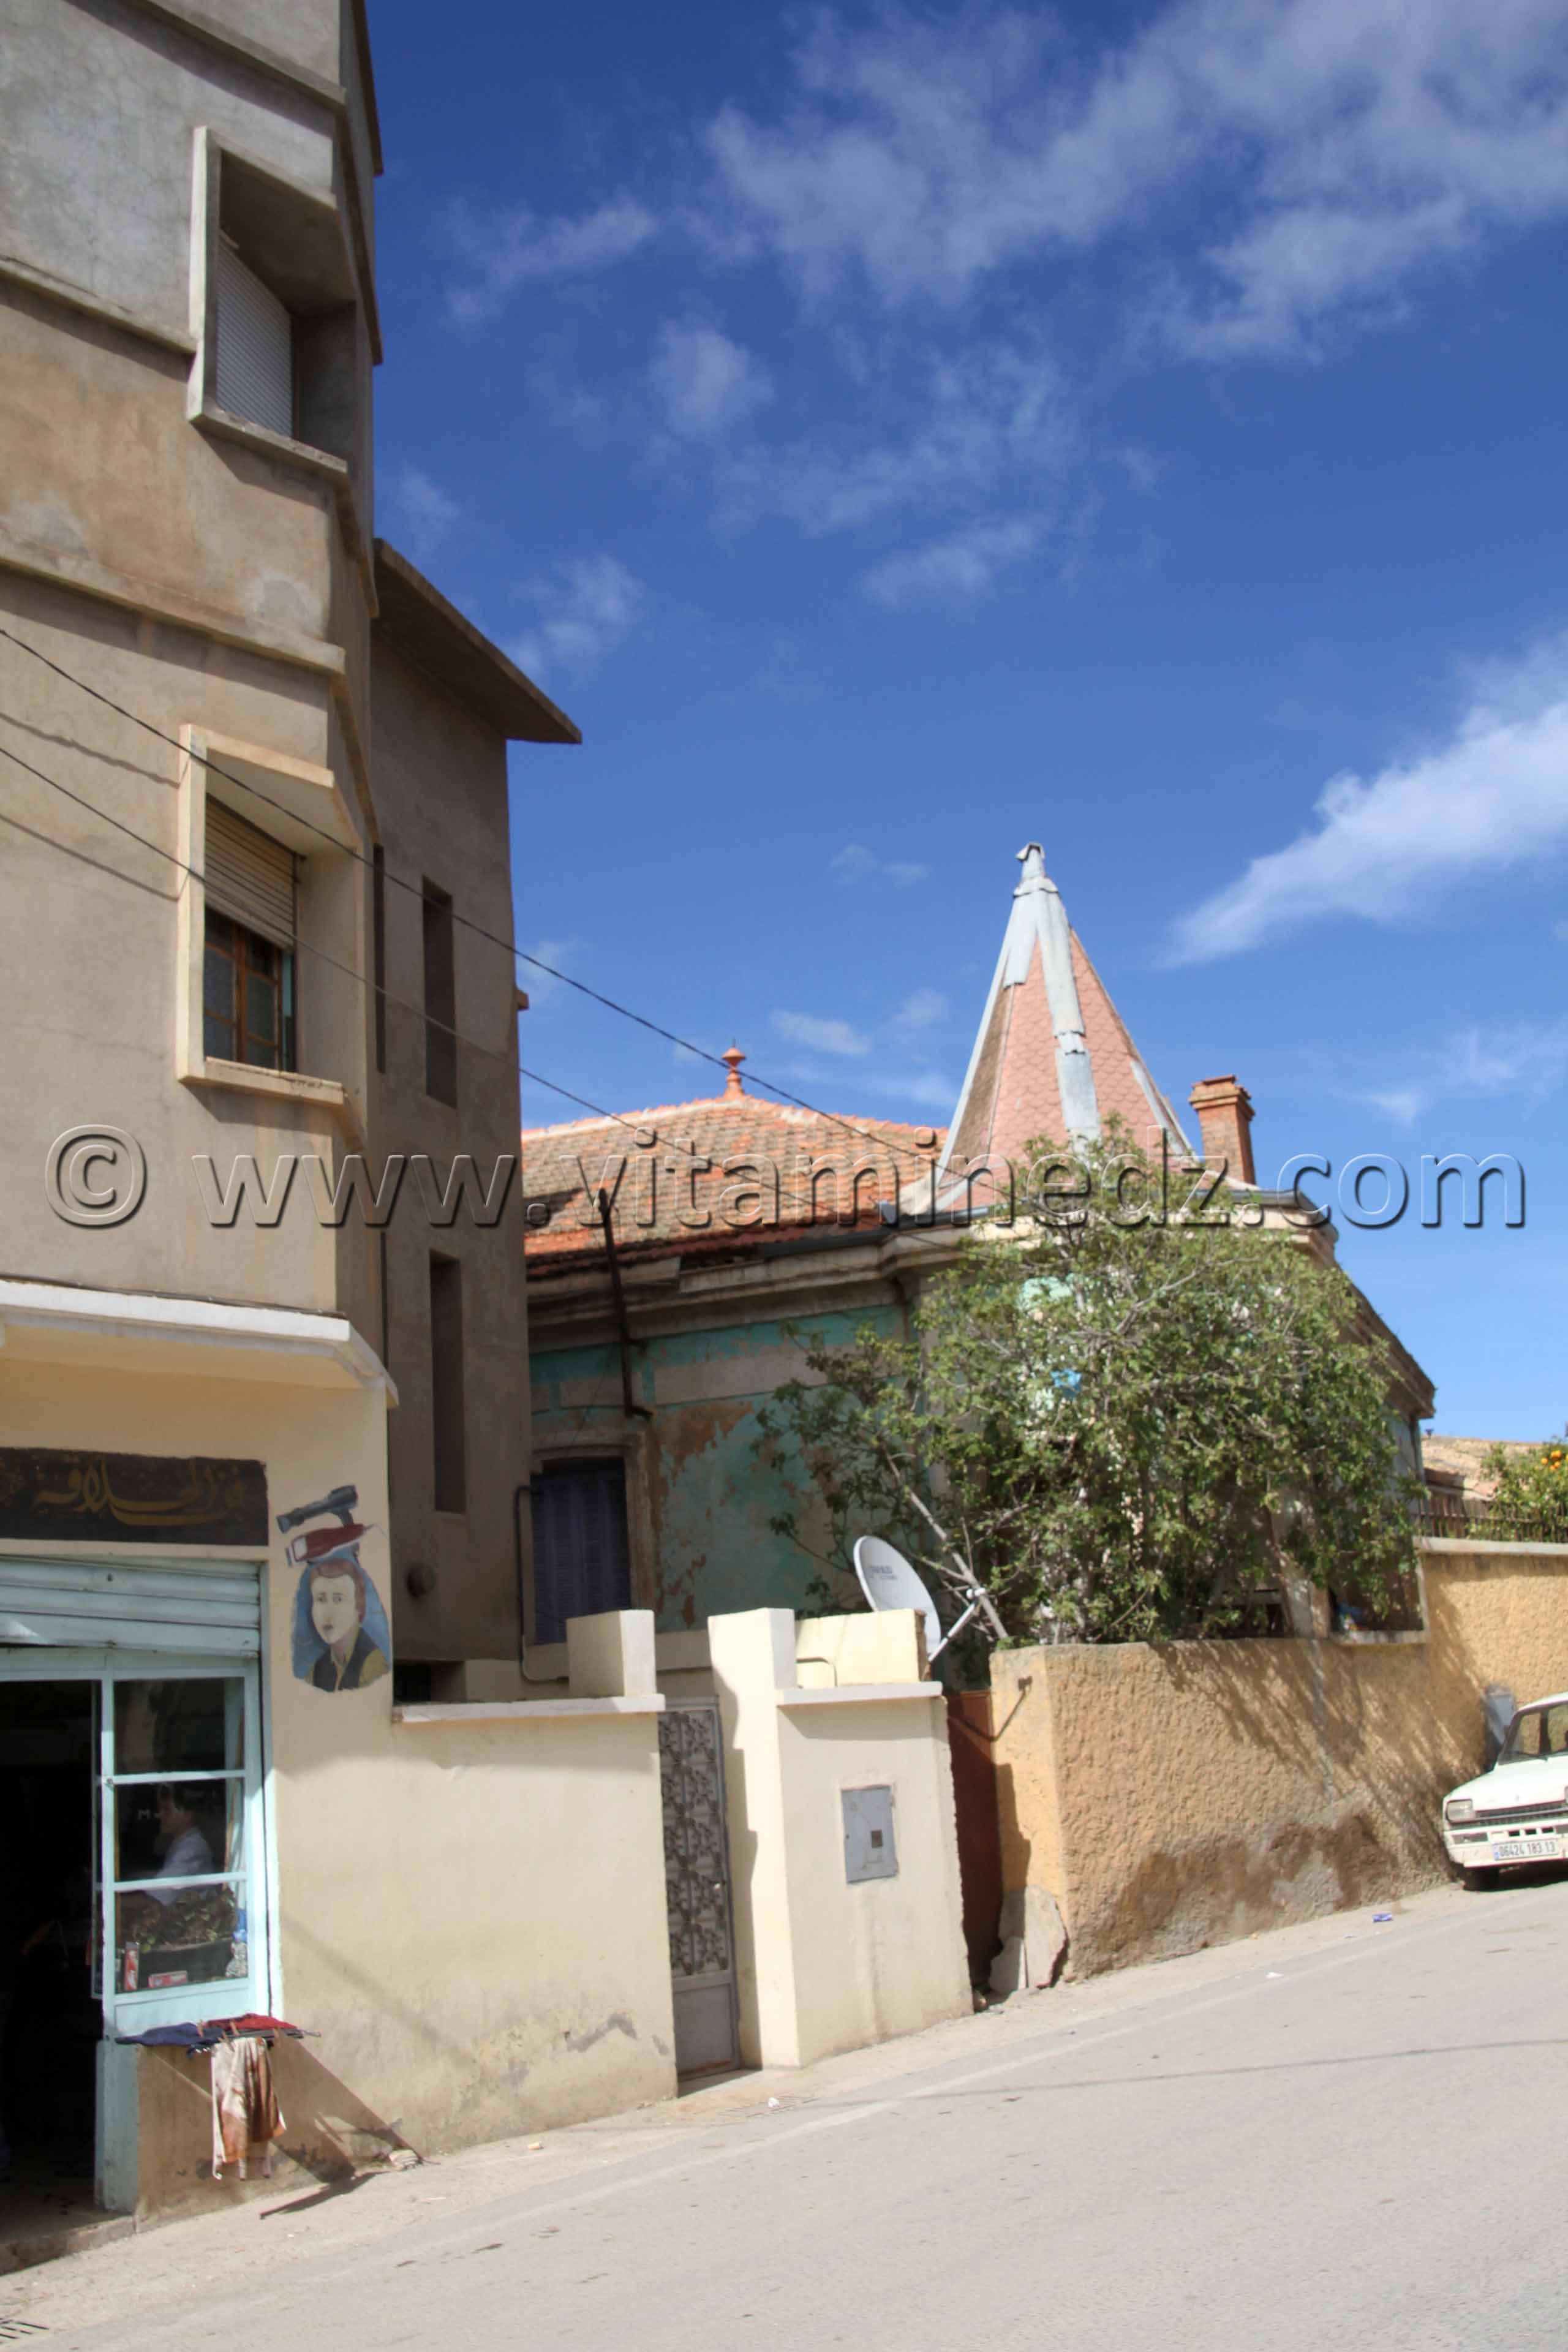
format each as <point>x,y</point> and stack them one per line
<point>305,947</point>
<point>493,1052</point>
<point>415,890</point>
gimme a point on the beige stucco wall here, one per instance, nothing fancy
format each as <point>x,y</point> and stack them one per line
<point>1176,1797</point>
<point>441,798</point>
<point>470,1916</point>
<point>823,1965</point>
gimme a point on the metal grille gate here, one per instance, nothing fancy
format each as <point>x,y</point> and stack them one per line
<point>697,1885</point>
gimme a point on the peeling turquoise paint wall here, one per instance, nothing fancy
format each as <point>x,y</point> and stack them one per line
<point>709,1497</point>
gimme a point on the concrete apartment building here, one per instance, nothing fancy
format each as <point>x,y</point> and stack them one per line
<point>255,895</point>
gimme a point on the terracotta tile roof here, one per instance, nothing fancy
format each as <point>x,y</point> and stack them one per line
<point>727,1171</point>
<point>1052,1055</point>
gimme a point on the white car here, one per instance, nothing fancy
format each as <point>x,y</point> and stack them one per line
<point>1517,1811</point>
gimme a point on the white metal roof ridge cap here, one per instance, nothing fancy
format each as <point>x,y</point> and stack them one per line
<point>132,1313</point>
<point>861,1693</point>
<point>527,1710</point>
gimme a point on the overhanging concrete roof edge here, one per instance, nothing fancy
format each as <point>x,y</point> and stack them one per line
<point>423,625</point>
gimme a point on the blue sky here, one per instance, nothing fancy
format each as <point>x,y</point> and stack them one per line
<point>895,435</point>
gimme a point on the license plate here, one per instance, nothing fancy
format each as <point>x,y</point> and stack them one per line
<point>1528,1850</point>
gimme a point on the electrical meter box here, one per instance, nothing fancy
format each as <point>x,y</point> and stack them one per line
<point>869,1851</point>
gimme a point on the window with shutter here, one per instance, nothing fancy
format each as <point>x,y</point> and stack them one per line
<point>249,875</point>
<point>254,375</point>
<point>248,975</point>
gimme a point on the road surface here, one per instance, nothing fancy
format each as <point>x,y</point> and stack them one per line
<point>1342,2135</point>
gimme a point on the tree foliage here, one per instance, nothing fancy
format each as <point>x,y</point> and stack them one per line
<point>1122,1430</point>
<point>1530,1503</point>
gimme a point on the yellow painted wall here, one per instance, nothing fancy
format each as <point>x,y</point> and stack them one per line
<point>823,1965</point>
<point>1176,1797</point>
<point>472,1916</point>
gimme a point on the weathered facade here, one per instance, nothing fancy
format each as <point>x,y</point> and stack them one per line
<point>742,1230</point>
<point>1254,1783</point>
<point>258,910</point>
<point>680,1260</point>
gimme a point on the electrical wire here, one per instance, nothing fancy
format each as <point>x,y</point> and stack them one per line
<point>536,1077</point>
<point>415,890</point>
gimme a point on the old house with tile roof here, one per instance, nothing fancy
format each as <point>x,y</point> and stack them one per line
<point>680,1257</point>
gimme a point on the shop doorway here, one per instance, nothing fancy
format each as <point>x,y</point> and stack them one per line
<point>51,2015</point>
<point>132,1892</point>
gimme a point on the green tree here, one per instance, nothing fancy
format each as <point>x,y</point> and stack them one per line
<point>1530,1501</point>
<point>1121,1428</point>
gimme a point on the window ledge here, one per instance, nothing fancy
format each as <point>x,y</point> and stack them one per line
<point>284,1085</point>
<point>211,418</point>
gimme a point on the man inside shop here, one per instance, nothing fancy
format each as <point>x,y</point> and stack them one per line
<point>186,1853</point>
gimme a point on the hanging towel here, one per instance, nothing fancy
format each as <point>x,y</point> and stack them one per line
<point>245,2116</point>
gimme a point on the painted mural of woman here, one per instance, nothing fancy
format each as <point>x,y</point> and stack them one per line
<point>341,1636</point>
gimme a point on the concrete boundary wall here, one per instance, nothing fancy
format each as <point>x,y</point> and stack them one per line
<point>1174,1797</point>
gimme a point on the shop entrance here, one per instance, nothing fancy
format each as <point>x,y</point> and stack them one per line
<point>50,2017</point>
<point>132,1845</point>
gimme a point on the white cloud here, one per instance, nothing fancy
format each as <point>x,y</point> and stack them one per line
<point>923,1010</point>
<point>422,510</point>
<point>1516,1061</point>
<point>1405,1104</point>
<point>593,603</point>
<point>993,407</point>
<point>517,247</point>
<point>542,988</point>
<point>856,862</point>
<point>1495,793</point>
<point>1353,143</point>
<point>1515,1058</point>
<point>705,384</point>
<point>820,1036</point>
<point>963,564</point>
<point>930,1089</point>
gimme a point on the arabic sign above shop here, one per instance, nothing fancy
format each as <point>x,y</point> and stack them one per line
<point>55,1495</point>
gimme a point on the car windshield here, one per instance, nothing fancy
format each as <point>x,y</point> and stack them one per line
<point>1536,1731</point>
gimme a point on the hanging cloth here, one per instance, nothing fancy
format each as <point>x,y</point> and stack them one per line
<point>247,2118</point>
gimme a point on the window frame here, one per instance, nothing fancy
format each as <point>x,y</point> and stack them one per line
<point>579,1463</point>
<point>283,983</point>
<point>137,2012</point>
<point>310,813</point>
<point>299,251</point>
<point>553,1448</point>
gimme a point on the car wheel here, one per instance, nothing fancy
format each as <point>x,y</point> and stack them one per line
<point>1479,1882</point>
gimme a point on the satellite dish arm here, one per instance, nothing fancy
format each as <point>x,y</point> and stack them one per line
<point>979,1605</point>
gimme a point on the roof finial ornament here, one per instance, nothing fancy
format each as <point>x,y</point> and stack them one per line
<point>1032,858</point>
<point>733,1060</point>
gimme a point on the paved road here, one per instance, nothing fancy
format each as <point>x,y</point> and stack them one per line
<point>1342,2134</point>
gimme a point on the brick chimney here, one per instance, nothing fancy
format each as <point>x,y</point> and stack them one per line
<point>1225,1122</point>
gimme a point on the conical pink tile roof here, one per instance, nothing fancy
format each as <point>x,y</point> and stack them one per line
<point>1052,1056</point>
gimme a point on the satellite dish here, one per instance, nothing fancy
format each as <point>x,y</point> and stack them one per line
<point>888,1581</point>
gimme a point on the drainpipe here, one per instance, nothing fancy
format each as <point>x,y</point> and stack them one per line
<point>632,1410</point>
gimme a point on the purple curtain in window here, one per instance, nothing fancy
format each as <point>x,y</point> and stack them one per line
<point>581,1561</point>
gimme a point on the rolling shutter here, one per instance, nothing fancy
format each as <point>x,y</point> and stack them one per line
<point>211,1610</point>
<point>255,371</point>
<point>249,875</point>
